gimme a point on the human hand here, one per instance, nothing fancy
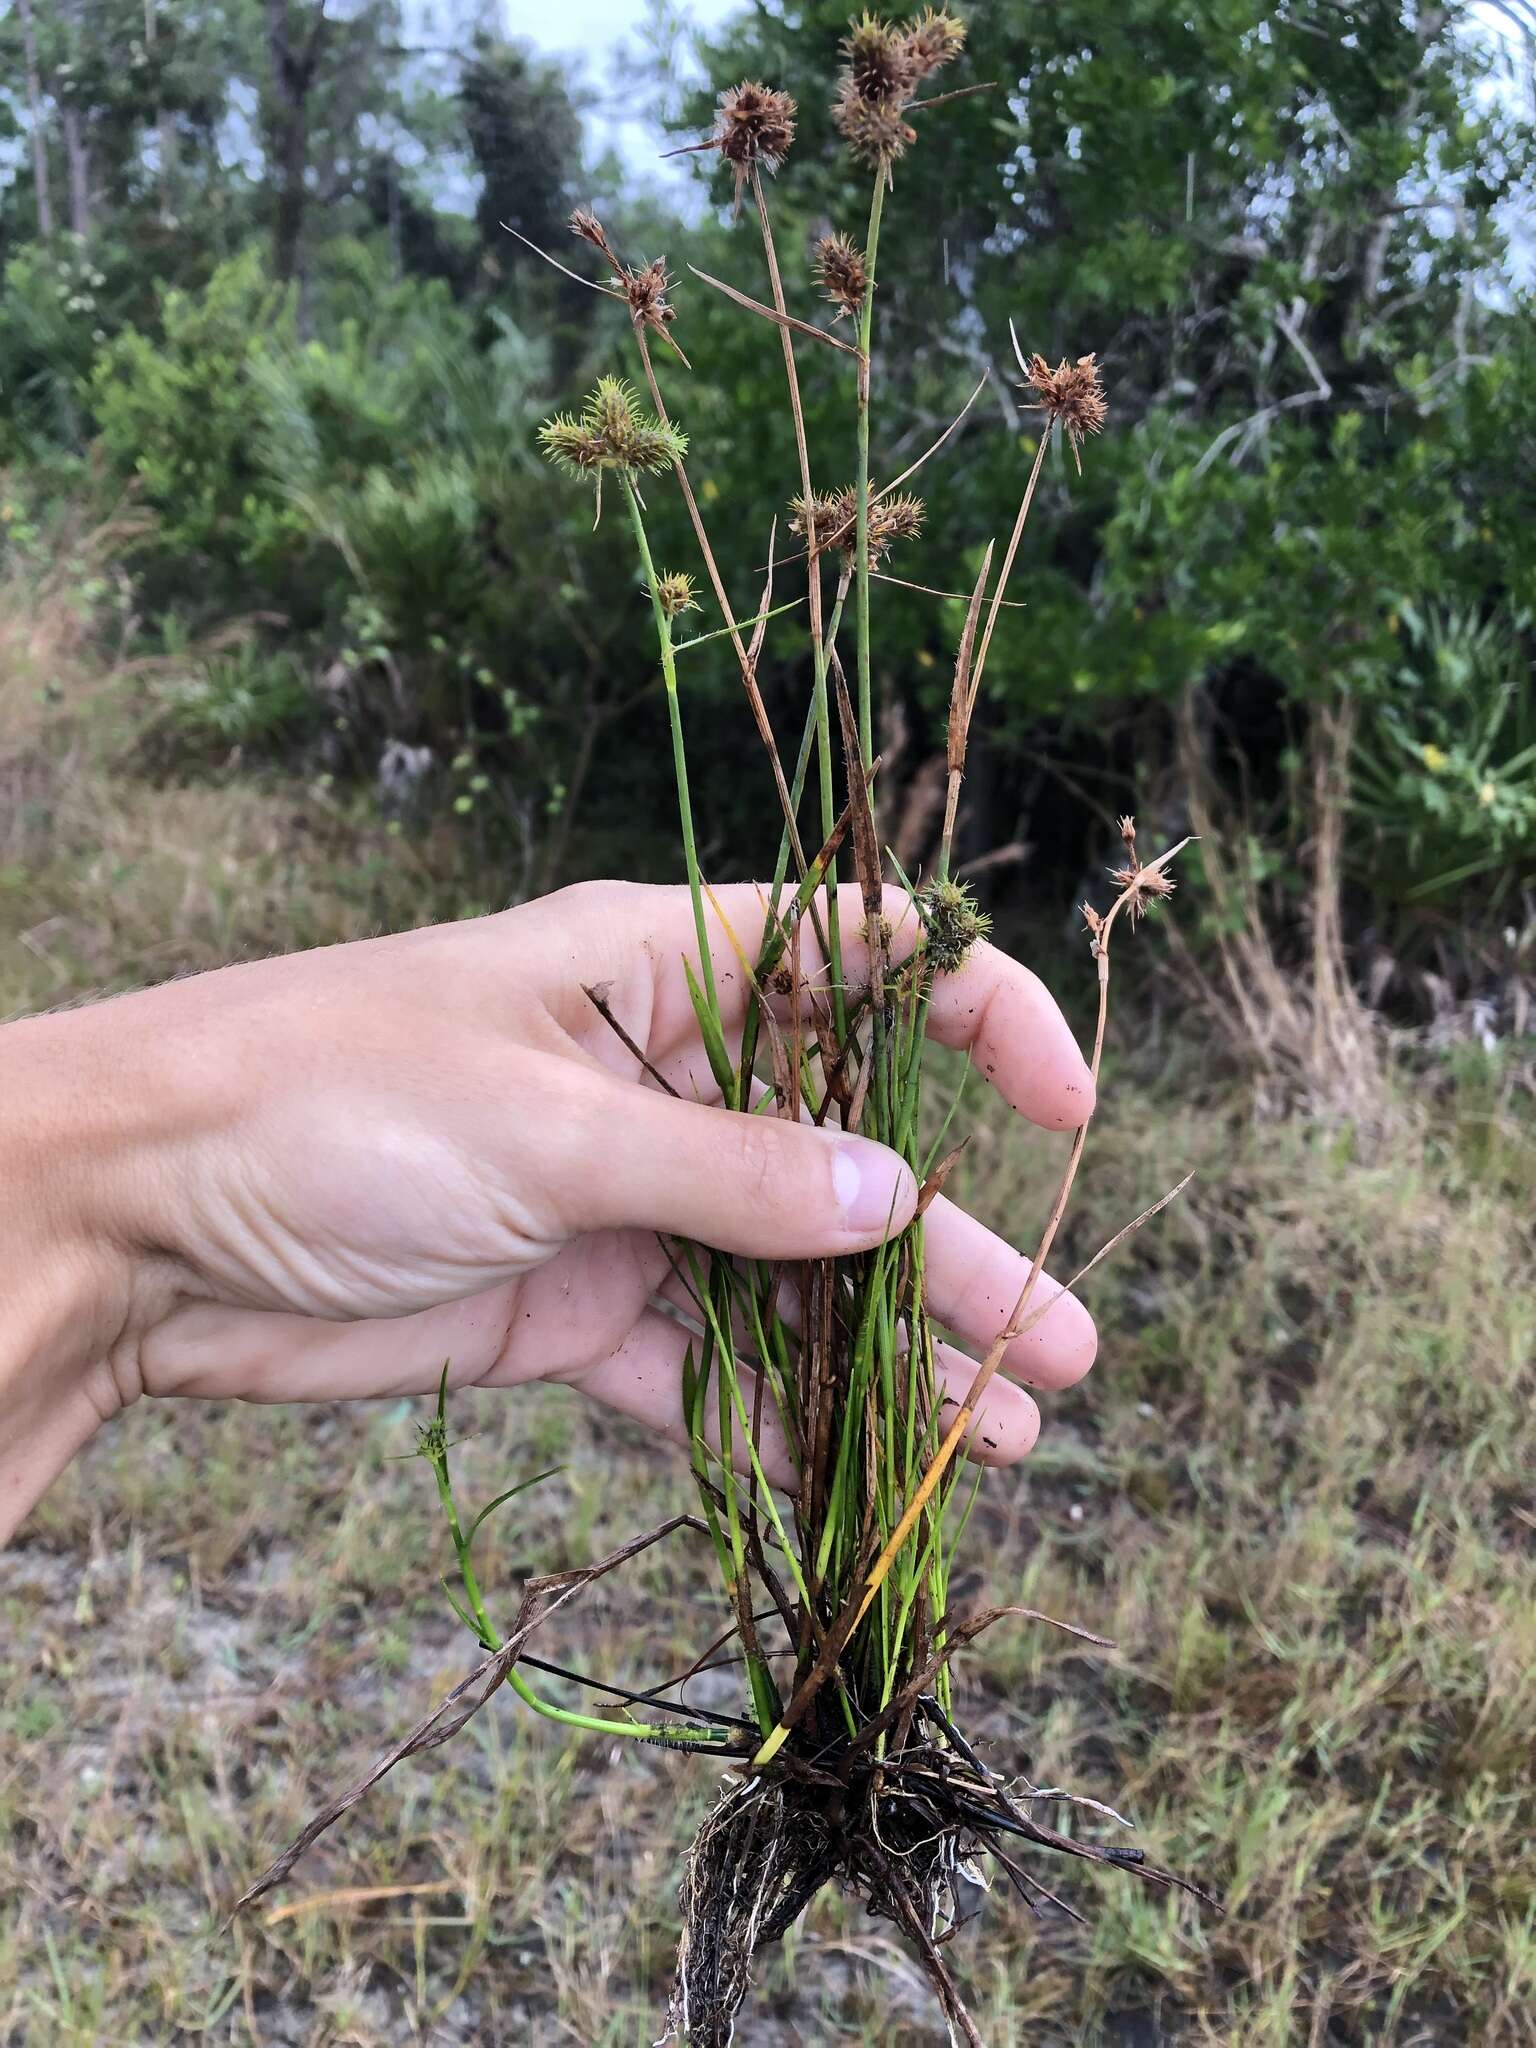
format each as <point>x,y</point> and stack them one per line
<point>321,1176</point>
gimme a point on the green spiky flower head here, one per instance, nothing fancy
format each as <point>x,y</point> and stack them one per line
<point>613,432</point>
<point>952,923</point>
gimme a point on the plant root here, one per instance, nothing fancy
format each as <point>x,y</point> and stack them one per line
<point>900,1832</point>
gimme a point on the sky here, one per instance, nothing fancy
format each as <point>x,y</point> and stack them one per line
<point>592,36</point>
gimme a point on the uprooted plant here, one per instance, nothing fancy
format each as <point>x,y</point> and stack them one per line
<point>851,1766</point>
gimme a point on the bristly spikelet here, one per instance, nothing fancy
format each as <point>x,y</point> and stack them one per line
<point>586,225</point>
<point>675,593</point>
<point>651,447</point>
<point>841,273</point>
<point>891,520</point>
<point>934,41</point>
<point>952,924</point>
<point>879,64</point>
<point>642,286</point>
<point>1070,395</point>
<point>610,411</point>
<point>645,287</point>
<point>571,445</point>
<point>823,520</point>
<point>872,129</point>
<point>1141,885</point>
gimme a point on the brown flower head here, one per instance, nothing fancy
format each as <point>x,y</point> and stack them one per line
<point>833,522</point>
<point>884,66</point>
<point>933,42</point>
<point>645,287</point>
<point>840,271</point>
<point>1070,395</point>
<point>826,520</point>
<point>675,593</point>
<point>873,129</point>
<point>1140,886</point>
<point>753,125</point>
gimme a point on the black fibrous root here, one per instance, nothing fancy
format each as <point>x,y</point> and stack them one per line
<point>903,1832</point>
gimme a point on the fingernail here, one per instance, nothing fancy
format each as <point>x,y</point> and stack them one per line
<point>874,1189</point>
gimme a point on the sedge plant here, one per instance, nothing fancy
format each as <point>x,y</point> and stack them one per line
<point>850,1765</point>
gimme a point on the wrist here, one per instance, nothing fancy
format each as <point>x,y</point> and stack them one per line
<point>68,1276</point>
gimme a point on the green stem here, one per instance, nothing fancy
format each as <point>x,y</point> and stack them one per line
<point>679,753</point>
<point>635,1731</point>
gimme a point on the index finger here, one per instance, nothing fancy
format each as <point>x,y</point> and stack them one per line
<point>992,1007</point>
<point>1004,1016</point>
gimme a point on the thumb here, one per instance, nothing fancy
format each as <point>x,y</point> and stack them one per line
<point>754,1185</point>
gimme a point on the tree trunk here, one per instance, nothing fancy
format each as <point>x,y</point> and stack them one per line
<point>39,132</point>
<point>165,128</point>
<point>77,154</point>
<point>77,146</point>
<point>293,74</point>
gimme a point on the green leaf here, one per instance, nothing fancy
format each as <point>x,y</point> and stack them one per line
<point>502,1498</point>
<point>713,1037</point>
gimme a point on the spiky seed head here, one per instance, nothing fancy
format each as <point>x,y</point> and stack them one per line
<point>872,128</point>
<point>754,124</point>
<point>1140,886</point>
<point>833,522</point>
<point>934,41</point>
<point>652,448</point>
<point>675,594</point>
<point>879,66</point>
<point>821,520</point>
<point>841,273</point>
<point>1070,395</point>
<point>645,289</point>
<point>952,923</point>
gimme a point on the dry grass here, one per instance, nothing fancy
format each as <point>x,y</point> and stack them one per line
<point>115,870</point>
<point>1297,1492</point>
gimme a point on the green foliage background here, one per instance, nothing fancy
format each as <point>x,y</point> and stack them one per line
<point>1297,236</point>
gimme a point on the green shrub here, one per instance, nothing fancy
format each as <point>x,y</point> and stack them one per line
<point>183,412</point>
<point>244,698</point>
<point>1445,779</point>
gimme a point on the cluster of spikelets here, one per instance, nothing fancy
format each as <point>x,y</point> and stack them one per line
<point>1070,396</point>
<point>1140,885</point>
<point>885,65</point>
<point>831,520</point>
<point>612,432</point>
<point>952,924</point>
<point>642,286</point>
